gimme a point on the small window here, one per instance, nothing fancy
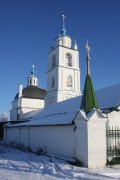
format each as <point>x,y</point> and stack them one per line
<point>30,81</point>
<point>53,82</point>
<point>69,81</point>
<point>68,60</point>
<point>53,61</point>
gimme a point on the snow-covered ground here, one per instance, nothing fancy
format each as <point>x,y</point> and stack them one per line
<point>16,164</point>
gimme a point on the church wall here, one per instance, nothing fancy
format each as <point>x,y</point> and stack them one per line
<point>22,107</point>
<point>13,114</point>
<point>66,84</point>
<point>15,104</point>
<point>53,54</point>
<point>32,103</point>
<point>63,89</point>
<point>52,82</point>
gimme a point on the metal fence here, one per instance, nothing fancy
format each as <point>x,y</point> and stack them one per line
<point>113,141</point>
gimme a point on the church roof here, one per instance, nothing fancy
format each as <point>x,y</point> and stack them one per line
<point>33,92</point>
<point>89,100</point>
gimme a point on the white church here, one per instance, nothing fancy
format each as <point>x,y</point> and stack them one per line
<point>62,121</point>
<point>27,100</point>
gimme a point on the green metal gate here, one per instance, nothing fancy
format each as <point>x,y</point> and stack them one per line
<point>113,142</point>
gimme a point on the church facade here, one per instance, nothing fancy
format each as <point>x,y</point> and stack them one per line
<point>70,122</point>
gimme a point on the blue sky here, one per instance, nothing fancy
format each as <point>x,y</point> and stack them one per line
<point>28,29</point>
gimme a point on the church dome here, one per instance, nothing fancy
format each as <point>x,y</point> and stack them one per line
<point>32,92</point>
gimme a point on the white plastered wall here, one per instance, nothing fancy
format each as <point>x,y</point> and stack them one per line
<point>84,141</point>
<point>57,140</point>
<point>23,106</point>
<point>90,141</point>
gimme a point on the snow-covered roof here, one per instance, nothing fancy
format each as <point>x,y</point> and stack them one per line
<point>108,97</point>
<point>64,112</point>
<point>56,114</point>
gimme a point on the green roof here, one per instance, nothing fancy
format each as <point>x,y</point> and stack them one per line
<point>89,100</point>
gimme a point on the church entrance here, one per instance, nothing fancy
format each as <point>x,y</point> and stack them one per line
<point>113,145</point>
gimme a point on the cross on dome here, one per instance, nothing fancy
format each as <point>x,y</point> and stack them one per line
<point>33,71</point>
<point>88,58</point>
<point>87,48</point>
<point>63,31</point>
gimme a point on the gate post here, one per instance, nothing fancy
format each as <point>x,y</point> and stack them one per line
<point>90,140</point>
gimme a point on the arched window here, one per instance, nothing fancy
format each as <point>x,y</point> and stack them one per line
<point>69,81</point>
<point>53,61</point>
<point>68,59</point>
<point>53,82</point>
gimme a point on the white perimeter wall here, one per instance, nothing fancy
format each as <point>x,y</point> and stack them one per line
<point>58,140</point>
<point>90,140</point>
<point>114,119</point>
<point>84,141</point>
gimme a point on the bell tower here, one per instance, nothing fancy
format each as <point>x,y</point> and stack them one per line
<point>63,75</point>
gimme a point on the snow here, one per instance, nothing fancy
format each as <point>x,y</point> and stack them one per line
<point>16,164</point>
<point>108,97</point>
<point>90,114</point>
